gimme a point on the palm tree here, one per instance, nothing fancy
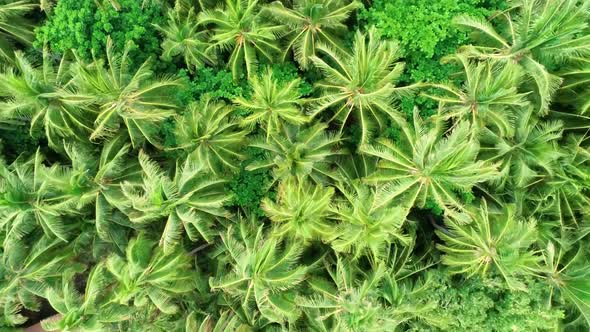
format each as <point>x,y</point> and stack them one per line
<point>562,195</point>
<point>311,23</point>
<point>182,38</point>
<point>493,243</point>
<point>209,133</point>
<point>576,78</point>
<point>425,165</point>
<point>97,181</point>
<point>301,211</point>
<point>89,311</point>
<point>539,35</point>
<point>362,82</point>
<point>238,28</point>
<point>261,273</point>
<point>147,274</point>
<point>190,201</point>
<point>127,98</point>
<point>567,273</point>
<point>489,95</point>
<point>530,155</point>
<point>25,202</point>
<point>44,94</point>
<point>272,103</point>
<point>363,229</point>
<point>298,153</point>
<point>349,301</point>
<point>14,26</point>
<point>28,271</point>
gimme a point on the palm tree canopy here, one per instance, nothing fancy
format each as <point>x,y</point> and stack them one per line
<point>182,38</point>
<point>301,153</point>
<point>301,211</point>
<point>43,94</point>
<point>495,242</point>
<point>542,33</point>
<point>238,28</point>
<point>311,23</point>
<point>209,133</point>
<point>489,95</point>
<point>127,98</point>
<point>361,83</point>
<point>428,166</point>
<point>272,103</point>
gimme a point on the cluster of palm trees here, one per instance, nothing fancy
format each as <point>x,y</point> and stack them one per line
<point>501,172</point>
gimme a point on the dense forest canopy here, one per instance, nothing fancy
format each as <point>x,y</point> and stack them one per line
<point>296,165</point>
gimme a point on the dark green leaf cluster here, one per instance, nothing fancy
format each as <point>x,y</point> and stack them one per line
<point>425,30</point>
<point>478,305</point>
<point>85,26</point>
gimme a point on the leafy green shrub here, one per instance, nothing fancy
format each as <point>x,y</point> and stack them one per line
<point>84,26</point>
<point>286,72</point>
<point>218,83</point>
<point>425,30</point>
<point>248,188</point>
<point>478,305</point>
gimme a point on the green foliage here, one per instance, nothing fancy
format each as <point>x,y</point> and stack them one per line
<point>257,166</point>
<point>248,188</point>
<point>478,305</point>
<point>312,23</point>
<point>208,133</point>
<point>85,26</point>
<point>239,28</point>
<point>217,83</point>
<point>271,105</point>
<point>361,83</point>
<point>425,31</point>
<point>286,72</point>
<point>15,26</point>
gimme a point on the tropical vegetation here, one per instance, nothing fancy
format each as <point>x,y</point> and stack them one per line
<point>304,165</point>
